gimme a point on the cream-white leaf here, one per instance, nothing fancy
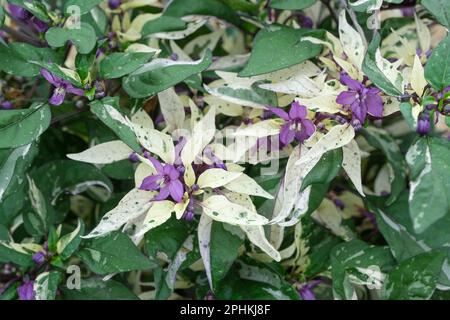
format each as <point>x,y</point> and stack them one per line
<point>257,236</point>
<point>418,82</point>
<point>172,109</point>
<point>352,42</point>
<point>219,208</point>
<point>156,142</point>
<point>337,137</point>
<point>104,153</point>
<point>204,244</point>
<point>135,203</point>
<point>202,134</point>
<point>246,185</point>
<point>352,164</point>
<point>215,178</point>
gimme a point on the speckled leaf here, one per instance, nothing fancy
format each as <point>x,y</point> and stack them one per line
<point>108,152</point>
<point>46,285</point>
<point>109,114</point>
<point>113,253</point>
<point>219,208</point>
<point>84,38</point>
<point>20,127</point>
<point>97,289</point>
<point>384,142</point>
<point>119,64</point>
<point>83,6</point>
<point>161,74</point>
<point>291,4</point>
<point>440,9</point>
<point>214,8</point>
<point>437,69</point>
<point>372,69</point>
<point>415,278</point>
<point>286,43</point>
<point>427,159</point>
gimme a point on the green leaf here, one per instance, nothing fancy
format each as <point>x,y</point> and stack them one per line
<point>161,74</point>
<point>37,8</point>
<point>402,243</point>
<point>214,8</point>
<point>36,219</point>
<point>437,69</point>
<point>252,97</point>
<point>291,4</point>
<point>8,253</point>
<point>167,240</point>
<point>415,278</point>
<point>373,72</point>
<point>325,170</point>
<point>61,178</point>
<point>384,142</point>
<point>353,262</point>
<point>108,112</point>
<point>286,42</point>
<point>112,253</point>
<point>46,285</point>
<point>20,127</point>
<point>120,64</point>
<point>427,159</point>
<point>4,233</point>
<point>406,110</point>
<point>251,280</point>
<point>69,243</point>
<point>84,38</point>
<point>13,165</point>
<point>97,289</point>
<point>2,16</point>
<point>242,5</point>
<point>163,24</point>
<point>19,58</point>
<point>82,6</point>
<point>223,257</point>
<point>440,9</point>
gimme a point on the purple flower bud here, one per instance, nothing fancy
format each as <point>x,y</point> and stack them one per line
<point>195,187</point>
<point>181,169</point>
<point>39,257</point>
<point>338,203</point>
<point>423,124</point>
<point>133,157</point>
<point>174,56</point>
<point>356,123</point>
<point>114,4</point>
<point>26,291</point>
<point>306,22</point>
<point>100,95</point>
<point>408,11</point>
<point>7,105</point>
<point>188,216</point>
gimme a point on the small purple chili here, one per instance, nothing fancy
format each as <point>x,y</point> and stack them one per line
<point>39,257</point>
<point>114,4</point>
<point>133,157</point>
<point>26,291</point>
<point>61,88</point>
<point>423,124</point>
<point>166,180</point>
<point>19,12</point>
<point>361,100</point>
<point>297,125</point>
<point>7,105</point>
